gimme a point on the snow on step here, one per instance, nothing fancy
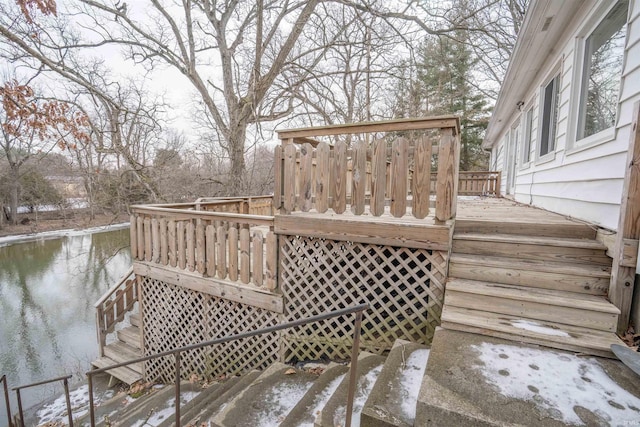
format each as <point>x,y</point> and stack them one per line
<point>158,415</point>
<point>392,401</point>
<point>56,410</point>
<point>305,412</point>
<point>268,400</point>
<point>333,413</point>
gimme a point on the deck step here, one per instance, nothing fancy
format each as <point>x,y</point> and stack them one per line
<point>516,328</point>
<point>268,400</point>
<point>134,319</point>
<point>392,401</point>
<point>579,278</point>
<point>121,352</point>
<point>123,373</point>
<point>582,251</point>
<point>532,227</point>
<point>130,336</point>
<point>308,408</point>
<point>333,413</point>
<point>569,308</point>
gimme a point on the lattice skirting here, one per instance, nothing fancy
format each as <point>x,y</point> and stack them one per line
<point>174,317</point>
<point>404,287</point>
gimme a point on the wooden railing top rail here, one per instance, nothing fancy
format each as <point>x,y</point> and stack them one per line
<point>266,220</point>
<point>207,201</point>
<point>114,288</point>
<point>438,122</point>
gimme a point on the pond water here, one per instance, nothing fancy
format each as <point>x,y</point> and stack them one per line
<point>47,318</point>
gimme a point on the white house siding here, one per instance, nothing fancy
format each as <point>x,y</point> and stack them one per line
<point>581,182</point>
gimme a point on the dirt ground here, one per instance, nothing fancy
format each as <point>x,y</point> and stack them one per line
<point>30,223</point>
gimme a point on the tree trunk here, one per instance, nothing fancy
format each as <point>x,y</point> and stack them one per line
<point>236,140</point>
<point>14,186</point>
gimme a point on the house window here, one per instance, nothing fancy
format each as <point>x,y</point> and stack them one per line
<point>550,104</point>
<point>601,72</point>
<point>528,136</point>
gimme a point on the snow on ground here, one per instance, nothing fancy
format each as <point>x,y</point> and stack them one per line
<point>57,410</point>
<point>532,326</point>
<point>558,383</point>
<point>167,410</point>
<point>323,398</point>
<point>48,235</point>
<point>365,384</point>
<point>410,382</point>
<point>285,396</point>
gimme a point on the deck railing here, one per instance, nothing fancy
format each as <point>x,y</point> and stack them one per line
<point>113,305</point>
<point>230,243</point>
<point>374,165</point>
<point>479,183</point>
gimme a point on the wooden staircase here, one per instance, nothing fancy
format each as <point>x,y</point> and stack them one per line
<point>125,348</point>
<point>531,281</point>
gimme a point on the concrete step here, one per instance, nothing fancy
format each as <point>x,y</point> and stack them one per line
<point>309,407</point>
<point>531,227</point>
<point>191,408</point>
<point>122,352</point>
<point>579,278</point>
<point>520,329</point>
<point>130,336</point>
<point>393,399</point>
<point>475,380</point>
<point>333,413</point>
<point>124,373</point>
<point>582,251</point>
<point>568,308</point>
<point>268,400</point>
<point>211,406</point>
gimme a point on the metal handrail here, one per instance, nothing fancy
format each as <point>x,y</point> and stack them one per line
<point>3,380</point>
<point>358,310</point>
<point>65,381</point>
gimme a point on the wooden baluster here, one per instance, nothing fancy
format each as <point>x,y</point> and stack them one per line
<point>289,185</point>
<point>421,178</point>
<point>305,177</point>
<point>155,240</point>
<point>233,253</point>
<point>221,252</point>
<point>164,242</point>
<point>172,243</point>
<point>258,254</point>
<point>140,238</point>
<point>182,246</point>
<point>399,168</point>
<point>191,246</point>
<point>340,177</point>
<point>277,182</point>
<point>133,237</point>
<point>245,257</point>
<point>359,178</point>
<point>445,186</point>
<point>378,177</point>
<point>272,261</point>
<point>200,248</point>
<point>322,177</point>
<point>210,237</point>
<point>147,239</point>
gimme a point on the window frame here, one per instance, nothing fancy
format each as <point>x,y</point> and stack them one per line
<point>575,120</point>
<point>528,138</point>
<point>554,107</point>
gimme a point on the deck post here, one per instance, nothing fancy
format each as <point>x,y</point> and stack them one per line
<point>624,264</point>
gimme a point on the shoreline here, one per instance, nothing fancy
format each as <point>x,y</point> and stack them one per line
<point>55,234</point>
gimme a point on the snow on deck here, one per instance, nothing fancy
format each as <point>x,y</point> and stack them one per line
<point>558,383</point>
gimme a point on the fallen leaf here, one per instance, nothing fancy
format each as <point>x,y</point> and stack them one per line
<point>290,371</point>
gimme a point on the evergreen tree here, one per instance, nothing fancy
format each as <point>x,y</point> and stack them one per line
<point>442,86</point>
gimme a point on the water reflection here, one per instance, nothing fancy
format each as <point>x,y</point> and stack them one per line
<point>47,292</point>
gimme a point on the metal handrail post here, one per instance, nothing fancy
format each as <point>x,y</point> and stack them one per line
<point>6,399</point>
<point>92,415</point>
<point>178,389</point>
<point>355,350</point>
<point>65,382</point>
<point>20,408</point>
